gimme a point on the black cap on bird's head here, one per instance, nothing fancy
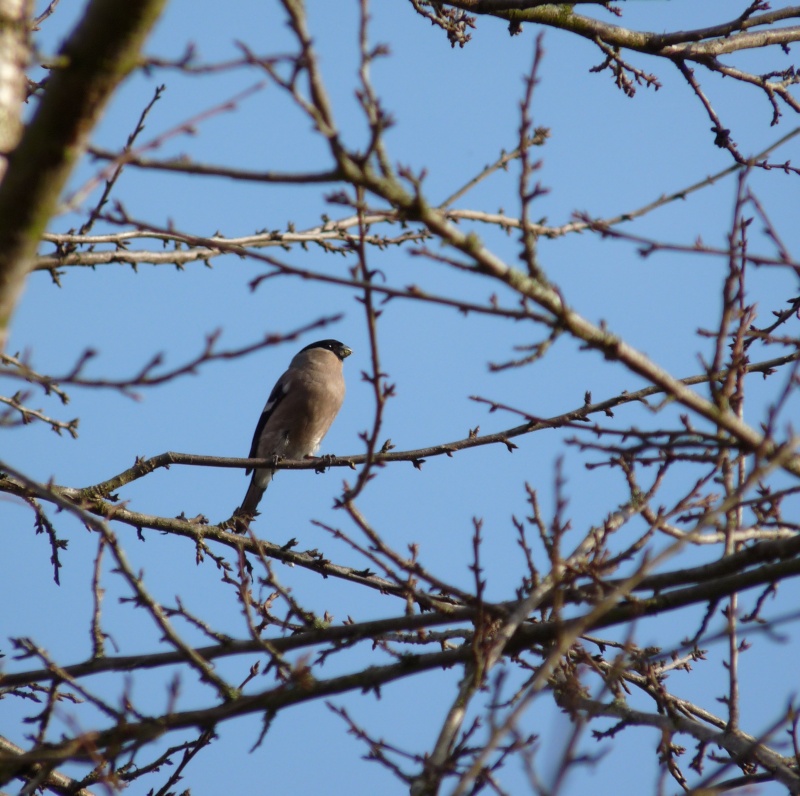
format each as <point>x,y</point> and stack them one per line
<point>340,349</point>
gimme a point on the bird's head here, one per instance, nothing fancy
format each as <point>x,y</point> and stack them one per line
<point>340,349</point>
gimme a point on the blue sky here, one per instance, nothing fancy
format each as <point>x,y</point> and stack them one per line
<point>454,110</point>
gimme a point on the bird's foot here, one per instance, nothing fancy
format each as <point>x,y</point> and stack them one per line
<point>323,462</point>
<point>198,520</point>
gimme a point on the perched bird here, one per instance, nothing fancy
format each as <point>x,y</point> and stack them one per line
<point>300,409</point>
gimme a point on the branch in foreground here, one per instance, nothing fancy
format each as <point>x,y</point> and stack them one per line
<point>760,564</point>
<point>53,780</point>
<point>303,689</point>
<point>98,55</point>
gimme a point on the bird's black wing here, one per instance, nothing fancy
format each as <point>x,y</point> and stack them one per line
<point>275,397</point>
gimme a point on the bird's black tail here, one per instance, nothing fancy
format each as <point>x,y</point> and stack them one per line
<point>245,514</point>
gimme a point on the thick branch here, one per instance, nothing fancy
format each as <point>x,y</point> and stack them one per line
<point>102,50</point>
<point>726,37</point>
<point>14,46</point>
<point>54,781</point>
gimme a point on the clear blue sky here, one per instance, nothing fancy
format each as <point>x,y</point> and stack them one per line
<point>454,110</point>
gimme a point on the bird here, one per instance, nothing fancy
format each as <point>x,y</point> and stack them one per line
<point>298,413</point>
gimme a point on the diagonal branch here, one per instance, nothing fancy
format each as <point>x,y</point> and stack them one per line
<point>100,53</point>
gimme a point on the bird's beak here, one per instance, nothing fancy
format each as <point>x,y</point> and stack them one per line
<point>345,352</point>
